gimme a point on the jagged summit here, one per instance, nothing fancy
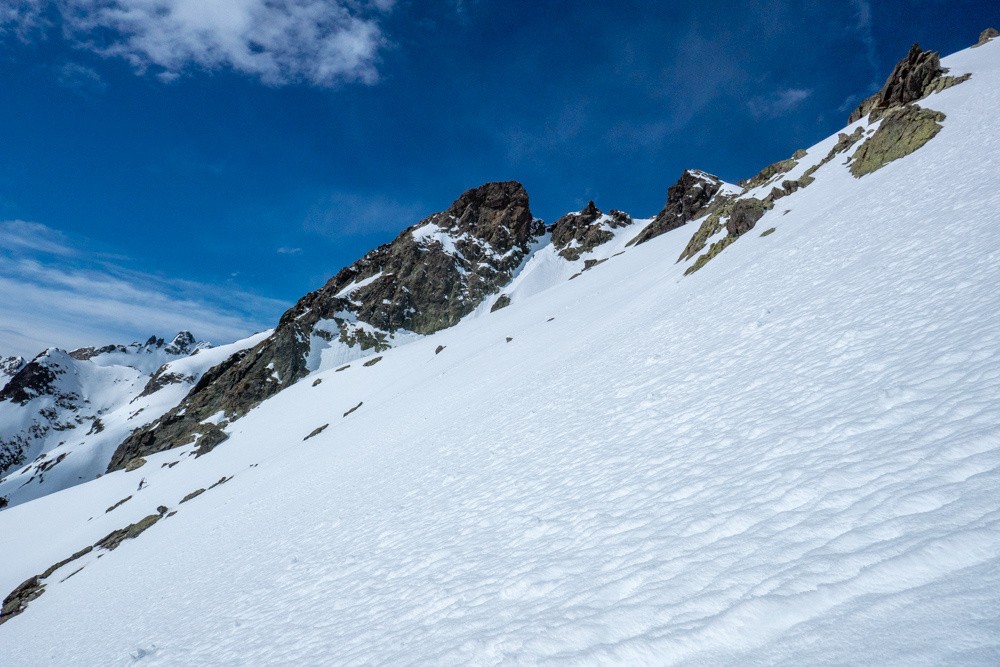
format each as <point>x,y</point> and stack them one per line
<point>914,77</point>
<point>183,343</point>
<point>433,274</point>
<point>686,200</point>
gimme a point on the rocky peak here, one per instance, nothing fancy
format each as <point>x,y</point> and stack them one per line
<point>913,77</point>
<point>494,212</point>
<point>687,199</point>
<point>182,343</point>
<point>38,377</point>
<point>428,278</point>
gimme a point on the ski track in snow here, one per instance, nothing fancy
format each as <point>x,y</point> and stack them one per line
<point>790,457</point>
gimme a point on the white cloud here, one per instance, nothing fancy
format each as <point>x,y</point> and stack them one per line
<point>321,42</point>
<point>19,235</point>
<point>80,78</point>
<point>55,295</point>
<point>285,250</point>
<point>778,103</point>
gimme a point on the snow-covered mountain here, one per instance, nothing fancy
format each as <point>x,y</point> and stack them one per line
<point>63,413</point>
<point>760,426</point>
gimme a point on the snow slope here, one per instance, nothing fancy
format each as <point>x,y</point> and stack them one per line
<point>789,457</point>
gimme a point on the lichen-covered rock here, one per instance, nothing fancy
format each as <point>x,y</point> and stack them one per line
<point>135,464</point>
<point>687,200</point>
<point>768,173</point>
<point>713,252</point>
<point>745,214</point>
<point>17,601</point>
<point>191,496</point>
<point>576,234</point>
<point>316,431</point>
<point>113,539</point>
<point>502,302</point>
<point>433,274</point>
<point>710,226</point>
<point>914,77</point>
<point>901,132</point>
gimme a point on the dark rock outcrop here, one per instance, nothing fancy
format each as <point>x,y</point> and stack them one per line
<point>112,540</point>
<point>36,378</point>
<point>17,600</point>
<point>914,77</point>
<point>9,367</point>
<point>745,214</point>
<point>427,279</point>
<point>576,234</point>
<point>183,343</point>
<point>687,199</point>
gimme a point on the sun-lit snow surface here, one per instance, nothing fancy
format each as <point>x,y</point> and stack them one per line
<point>791,456</point>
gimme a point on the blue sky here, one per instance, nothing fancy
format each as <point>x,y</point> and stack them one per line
<point>203,163</point>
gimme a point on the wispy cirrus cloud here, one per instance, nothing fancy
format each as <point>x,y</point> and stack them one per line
<point>864,28</point>
<point>320,42</point>
<point>55,294</point>
<point>777,103</point>
<point>349,214</point>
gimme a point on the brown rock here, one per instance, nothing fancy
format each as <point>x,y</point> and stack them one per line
<point>687,199</point>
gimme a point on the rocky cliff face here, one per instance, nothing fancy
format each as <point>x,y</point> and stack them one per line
<point>427,279</point>
<point>687,199</point>
<point>916,76</point>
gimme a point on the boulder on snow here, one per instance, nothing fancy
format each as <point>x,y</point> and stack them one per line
<point>745,214</point>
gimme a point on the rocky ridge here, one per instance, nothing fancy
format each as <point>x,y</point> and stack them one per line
<point>687,200</point>
<point>915,77</point>
<point>444,267</point>
<point>433,274</point>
